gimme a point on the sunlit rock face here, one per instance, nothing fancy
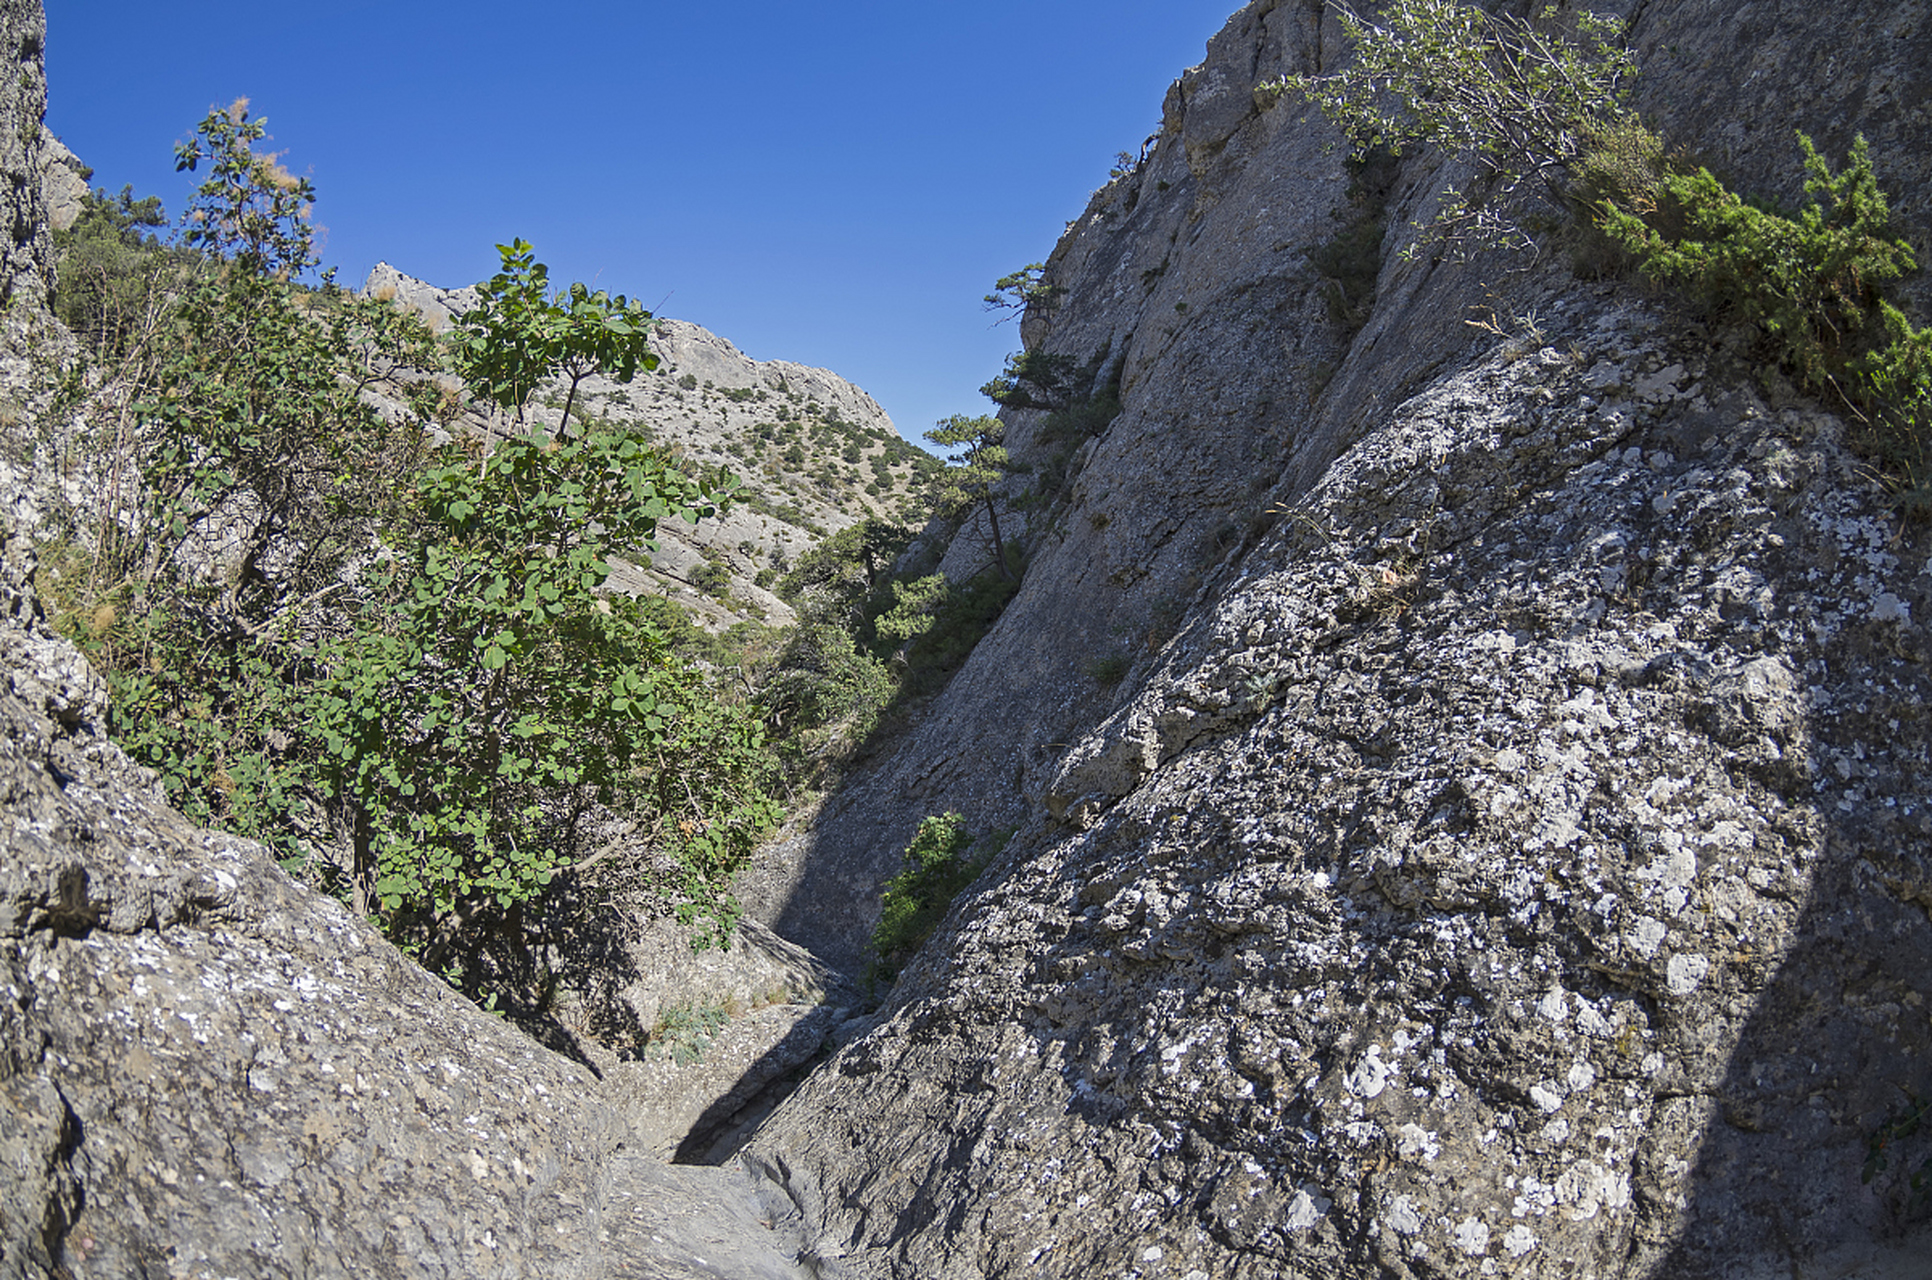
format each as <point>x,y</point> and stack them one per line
<point>1513,859</point>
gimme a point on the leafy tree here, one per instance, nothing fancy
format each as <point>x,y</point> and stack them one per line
<point>391,659</point>
<point>1521,97</point>
<point>249,210</point>
<point>977,469</point>
<point>519,335</point>
<point>490,696</point>
<point>846,567</point>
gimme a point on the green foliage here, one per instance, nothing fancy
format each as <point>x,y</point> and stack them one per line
<point>713,579</point>
<point>825,678</point>
<point>913,605</point>
<point>915,901</point>
<point>1109,671</point>
<point>820,680</point>
<point>391,661</point>
<point>114,274</point>
<point>685,1031</point>
<point>519,335</point>
<point>850,563</point>
<point>214,719</point>
<point>259,430</point>
<point>491,696</point>
<point>1519,97</point>
<point>249,210</point>
<point>1017,292</point>
<point>1895,380</point>
<point>938,623</point>
<point>1811,282</point>
<point>1033,380</point>
<point>976,470</point>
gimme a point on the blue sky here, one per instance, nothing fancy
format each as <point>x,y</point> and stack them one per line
<point>836,183</point>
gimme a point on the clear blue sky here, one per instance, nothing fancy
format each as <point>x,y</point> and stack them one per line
<point>832,183</point>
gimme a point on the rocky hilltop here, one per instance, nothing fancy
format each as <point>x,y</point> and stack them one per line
<point>1465,755</point>
<point>815,453</point>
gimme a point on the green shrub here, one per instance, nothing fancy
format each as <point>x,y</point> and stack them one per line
<point>1896,381</point>
<point>712,578</point>
<point>915,901</point>
<point>1519,97</point>
<point>821,677</point>
<point>397,666</point>
<point>1811,282</point>
<point>937,623</point>
<point>1110,670</point>
<point>685,1031</point>
<point>113,274</point>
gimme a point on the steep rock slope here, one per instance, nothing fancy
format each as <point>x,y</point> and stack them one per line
<point>1516,864</point>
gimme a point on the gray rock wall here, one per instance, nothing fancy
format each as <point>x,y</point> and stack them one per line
<point>1516,863</point>
<point>26,252</point>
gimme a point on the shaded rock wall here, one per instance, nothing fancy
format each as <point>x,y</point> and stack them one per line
<point>1516,862</point>
<point>26,252</point>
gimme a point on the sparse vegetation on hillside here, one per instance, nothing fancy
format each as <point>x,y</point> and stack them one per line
<point>386,657</point>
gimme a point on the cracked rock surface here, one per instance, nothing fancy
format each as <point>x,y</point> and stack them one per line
<point>1521,868</point>
<point>1507,851</point>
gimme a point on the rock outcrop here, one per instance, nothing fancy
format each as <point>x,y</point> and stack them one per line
<point>209,1070</point>
<point>63,183</point>
<point>1506,853</point>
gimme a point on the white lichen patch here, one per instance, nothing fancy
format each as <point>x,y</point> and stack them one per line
<point>1308,1208</point>
<point>1684,973</point>
<point>1471,1236</point>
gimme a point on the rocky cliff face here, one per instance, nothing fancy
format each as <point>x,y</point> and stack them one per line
<point>26,251</point>
<point>1506,853</point>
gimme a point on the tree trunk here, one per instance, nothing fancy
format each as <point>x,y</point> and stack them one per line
<point>999,548</point>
